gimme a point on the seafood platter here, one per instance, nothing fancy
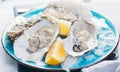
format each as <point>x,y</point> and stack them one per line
<point>62,35</point>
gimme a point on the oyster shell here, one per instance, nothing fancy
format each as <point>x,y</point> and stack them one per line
<point>59,13</point>
<point>68,10</point>
<point>82,38</point>
<point>35,42</point>
<point>41,38</point>
<point>20,24</point>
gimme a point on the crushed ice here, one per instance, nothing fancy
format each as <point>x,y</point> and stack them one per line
<point>106,39</point>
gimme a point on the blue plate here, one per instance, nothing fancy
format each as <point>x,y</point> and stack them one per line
<point>90,58</point>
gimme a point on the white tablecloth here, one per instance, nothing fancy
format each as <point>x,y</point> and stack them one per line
<point>109,8</point>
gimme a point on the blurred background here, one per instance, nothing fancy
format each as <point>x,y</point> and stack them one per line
<point>11,8</point>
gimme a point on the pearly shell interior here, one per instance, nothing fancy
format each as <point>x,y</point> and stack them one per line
<point>91,42</point>
<point>21,44</point>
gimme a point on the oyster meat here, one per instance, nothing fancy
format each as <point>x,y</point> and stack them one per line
<point>36,41</point>
<point>81,39</point>
<point>68,10</point>
<point>60,13</point>
<point>41,38</point>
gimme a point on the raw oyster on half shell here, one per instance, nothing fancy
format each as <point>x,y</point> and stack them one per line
<point>69,10</point>
<point>59,13</point>
<point>41,38</point>
<point>82,38</point>
<point>35,42</point>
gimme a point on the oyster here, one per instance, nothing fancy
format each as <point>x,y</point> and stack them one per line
<point>41,38</point>
<point>68,10</point>
<point>35,41</point>
<point>59,13</point>
<point>20,24</point>
<point>82,38</point>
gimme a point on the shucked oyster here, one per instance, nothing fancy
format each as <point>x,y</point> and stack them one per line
<point>68,10</point>
<point>41,38</point>
<point>60,13</point>
<point>35,41</point>
<point>81,39</point>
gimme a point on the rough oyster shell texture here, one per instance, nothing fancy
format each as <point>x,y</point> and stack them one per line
<point>19,25</point>
<point>23,43</point>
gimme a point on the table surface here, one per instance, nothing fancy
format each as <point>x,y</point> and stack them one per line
<point>108,8</point>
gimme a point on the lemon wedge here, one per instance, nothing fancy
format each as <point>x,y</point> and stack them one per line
<point>63,25</point>
<point>56,54</point>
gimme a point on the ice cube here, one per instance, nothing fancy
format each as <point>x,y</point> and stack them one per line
<point>99,23</point>
<point>101,36</point>
<point>70,61</point>
<point>98,52</point>
<point>89,57</point>
<point>110,43</point>
<point>102,44</point>
<point>109,39</point>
